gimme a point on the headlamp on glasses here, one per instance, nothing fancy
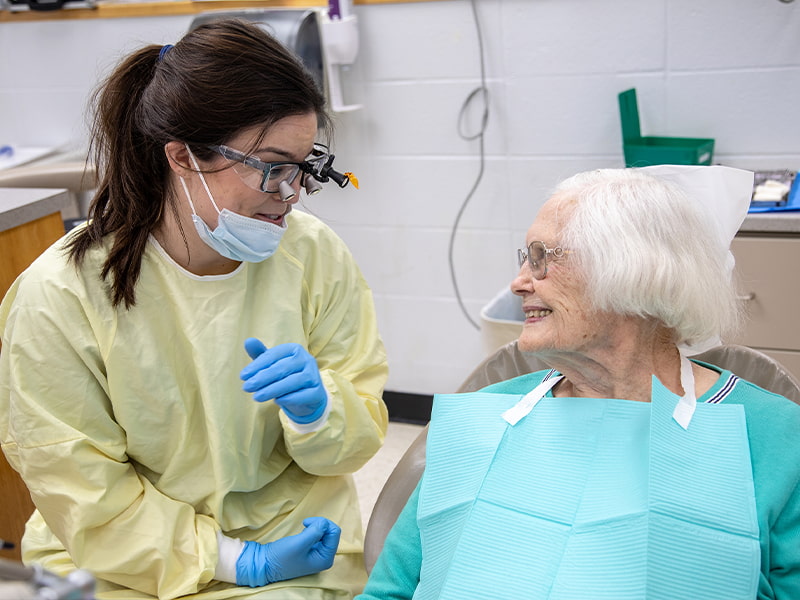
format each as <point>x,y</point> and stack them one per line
<point>272,177</point>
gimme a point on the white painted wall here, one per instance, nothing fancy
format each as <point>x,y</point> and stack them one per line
<point>724,69</point>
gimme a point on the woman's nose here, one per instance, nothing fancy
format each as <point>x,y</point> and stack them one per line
<point>523,283</point>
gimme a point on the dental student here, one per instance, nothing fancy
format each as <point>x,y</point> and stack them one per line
<point>188,382</point>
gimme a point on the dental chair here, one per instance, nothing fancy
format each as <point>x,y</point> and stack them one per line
<point>76,176</point>
<point>508,362</point>
<point>79,178</point>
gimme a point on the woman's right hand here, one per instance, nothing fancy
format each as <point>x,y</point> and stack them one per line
<point>288,374</point>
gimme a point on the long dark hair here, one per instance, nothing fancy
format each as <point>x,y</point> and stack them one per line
<point>221,78</point>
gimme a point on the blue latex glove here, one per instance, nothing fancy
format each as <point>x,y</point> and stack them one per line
<point>310,551</point>
<point>288,374</point>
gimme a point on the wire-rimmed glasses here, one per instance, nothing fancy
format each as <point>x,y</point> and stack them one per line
<point>536,256</point>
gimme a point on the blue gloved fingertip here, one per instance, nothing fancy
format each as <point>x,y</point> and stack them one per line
<point>256,396</point>
<point>254,347</point>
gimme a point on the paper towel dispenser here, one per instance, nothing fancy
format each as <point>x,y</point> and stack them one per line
<point>297,29</point>
<point>324,44</point>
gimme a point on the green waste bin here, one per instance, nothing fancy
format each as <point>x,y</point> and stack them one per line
<point>643,151</point>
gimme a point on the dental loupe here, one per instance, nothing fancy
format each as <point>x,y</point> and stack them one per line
<point>313,177</point>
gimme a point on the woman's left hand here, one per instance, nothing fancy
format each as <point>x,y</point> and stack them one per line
<point>310,551</point>
<point>288,374</point>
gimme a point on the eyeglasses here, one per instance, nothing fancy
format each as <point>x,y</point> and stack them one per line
<point>536,256</point>
<point>265,176</point>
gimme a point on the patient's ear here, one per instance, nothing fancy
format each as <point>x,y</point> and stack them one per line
<point>178,158</point>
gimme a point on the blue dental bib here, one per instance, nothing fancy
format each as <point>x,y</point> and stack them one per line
<point>587,499</point>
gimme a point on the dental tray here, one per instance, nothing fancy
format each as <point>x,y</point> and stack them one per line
<point>791,202</point>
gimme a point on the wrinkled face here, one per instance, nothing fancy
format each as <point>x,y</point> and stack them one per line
<point>559,317</point>
<point>290,139</point>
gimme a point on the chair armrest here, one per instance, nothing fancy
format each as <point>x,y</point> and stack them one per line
<point>73,176</point>
<point>393,498</point>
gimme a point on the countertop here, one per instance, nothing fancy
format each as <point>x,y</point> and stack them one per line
<point>23,205</point>
<point>771,222</point>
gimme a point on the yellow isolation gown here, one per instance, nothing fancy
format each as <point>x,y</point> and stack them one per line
<point>133,434</point>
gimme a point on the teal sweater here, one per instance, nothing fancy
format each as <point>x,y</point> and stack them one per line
<point>773,429</point>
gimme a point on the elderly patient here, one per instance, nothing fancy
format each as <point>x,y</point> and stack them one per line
<point>626,471</point>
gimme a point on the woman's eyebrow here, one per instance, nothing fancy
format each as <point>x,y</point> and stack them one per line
<point>284,153</point>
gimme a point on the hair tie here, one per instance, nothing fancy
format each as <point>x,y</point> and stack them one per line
<point>164,49</point>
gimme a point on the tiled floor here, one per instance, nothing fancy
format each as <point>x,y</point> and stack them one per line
<point>370,479</point>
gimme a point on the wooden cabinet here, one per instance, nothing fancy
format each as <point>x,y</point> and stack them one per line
<point>20,246</point>
<point>30,221</point>
<point>768,273</point>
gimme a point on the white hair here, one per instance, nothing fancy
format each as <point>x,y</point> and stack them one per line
<point>645,249</point>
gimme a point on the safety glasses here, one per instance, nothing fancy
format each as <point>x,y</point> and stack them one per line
<point>267,176</point>
<point>536,256</point>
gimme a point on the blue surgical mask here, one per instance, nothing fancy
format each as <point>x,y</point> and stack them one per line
<point>236,237</point>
